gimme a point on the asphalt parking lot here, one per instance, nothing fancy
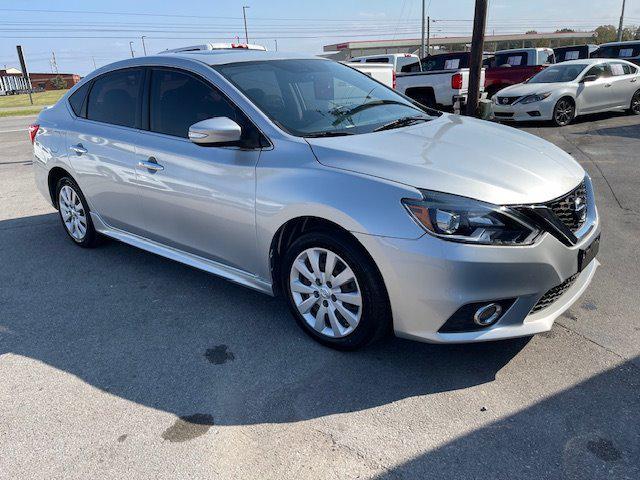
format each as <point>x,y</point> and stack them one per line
<point>115,363</point>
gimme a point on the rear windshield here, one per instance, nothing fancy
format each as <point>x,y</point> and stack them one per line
<point>513,59</point>
<point>630,50</point>
<point>445,62</point>
<point>571,53</point>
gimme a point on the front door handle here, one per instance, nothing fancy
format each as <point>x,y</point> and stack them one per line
<point>79,149</point>
<point>151,165</point>
<point>607,84</point>
<point>634,80</point>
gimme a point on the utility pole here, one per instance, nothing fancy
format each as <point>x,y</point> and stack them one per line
<point>620,27</point>
<point>244,15</point>
<point>428,35</point>
<point>144,47</point>
<point>131,48</point>
<point>25,73</point>
<point>422,36</point>
<point>477,47</point>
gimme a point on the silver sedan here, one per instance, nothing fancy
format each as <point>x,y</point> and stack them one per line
<point>302,177</point>
<point>561,92</point>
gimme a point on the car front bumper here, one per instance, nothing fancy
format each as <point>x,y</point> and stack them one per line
<point>429,279</point>
<point>536,111</point>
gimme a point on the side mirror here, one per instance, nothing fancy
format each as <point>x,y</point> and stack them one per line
<point>589,78</point>
<point>213,131</point>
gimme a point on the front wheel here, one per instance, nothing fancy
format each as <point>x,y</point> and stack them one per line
<point>635,103</point>
<point>564,112</point>
<point>334,291</point>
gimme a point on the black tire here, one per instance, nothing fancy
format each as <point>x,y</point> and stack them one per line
<point>634,107</point>
<point>91,238</point>
<point>564,112</point>
<point>375,316</point>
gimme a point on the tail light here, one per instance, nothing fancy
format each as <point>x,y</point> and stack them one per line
<point>393,79</point>
<point>456,81</point>
<point>33,131</point>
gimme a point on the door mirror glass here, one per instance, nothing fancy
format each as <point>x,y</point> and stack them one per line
<point>589,78</point>
<point>215,131</point>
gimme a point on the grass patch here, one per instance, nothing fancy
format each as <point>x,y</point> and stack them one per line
<point>39,99</point>
<point>18,112</point>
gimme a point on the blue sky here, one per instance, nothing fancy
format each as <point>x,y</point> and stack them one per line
<point>103,30</point>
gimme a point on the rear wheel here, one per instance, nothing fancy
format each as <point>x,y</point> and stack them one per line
<point>635,103</point>
<point>334,291</point>
<point>74,213</point>
<point>564,112</point>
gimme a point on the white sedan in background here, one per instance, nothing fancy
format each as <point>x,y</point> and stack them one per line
<point>563,91</point>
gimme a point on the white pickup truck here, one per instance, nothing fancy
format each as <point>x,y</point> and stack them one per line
<point>382,72</point>
<point>437,84</point>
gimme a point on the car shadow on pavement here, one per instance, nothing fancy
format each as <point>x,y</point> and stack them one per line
<point>589,431</point>
<point>166,336</point>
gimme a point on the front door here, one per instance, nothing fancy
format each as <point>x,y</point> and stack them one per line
<point>597,94</point>
<point>199,199</point>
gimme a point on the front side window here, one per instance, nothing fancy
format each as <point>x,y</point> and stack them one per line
<point>558,73</point>
<point>319,97</point>
<point>114,97</point>
<point>600,71</point>
<point>178,100</point>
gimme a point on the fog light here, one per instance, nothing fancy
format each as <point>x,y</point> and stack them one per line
<point>487,315</point>
<point>534,113</point>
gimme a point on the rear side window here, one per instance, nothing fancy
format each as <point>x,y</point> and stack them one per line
<point>114,97</point>
<point>377,60</point>
<point>178,100</point>
<point>76,100</point>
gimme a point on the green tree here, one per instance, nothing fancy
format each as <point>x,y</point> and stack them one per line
<point>58,83</point>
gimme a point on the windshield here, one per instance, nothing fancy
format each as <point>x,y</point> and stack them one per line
<point>319,97</point>
<point>558,73</point>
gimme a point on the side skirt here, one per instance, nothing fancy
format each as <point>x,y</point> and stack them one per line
<point>233,274</point>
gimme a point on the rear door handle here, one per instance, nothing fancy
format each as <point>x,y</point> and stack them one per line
<point>79,149</point>
<point>607,84</point>
<point>634,80</point>
<point>151,165</point>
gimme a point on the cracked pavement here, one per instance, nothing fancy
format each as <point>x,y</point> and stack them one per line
<point>116,363</point>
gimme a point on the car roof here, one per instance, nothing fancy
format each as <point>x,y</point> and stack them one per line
<point>221,57</point>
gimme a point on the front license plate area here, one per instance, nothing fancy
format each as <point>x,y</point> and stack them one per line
<point>586,255</point>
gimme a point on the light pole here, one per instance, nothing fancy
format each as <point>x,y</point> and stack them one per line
<point>131,48</point>
<point>621,22</point>
<point>475,64</point>
<point>276,40</point>
<point>144,47</point>
<point>244,15</point>
<point>422,36</point>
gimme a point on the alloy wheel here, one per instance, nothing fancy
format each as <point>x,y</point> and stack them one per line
<point>563,112</point>
<point>326,293</point>
<point>73,214</point>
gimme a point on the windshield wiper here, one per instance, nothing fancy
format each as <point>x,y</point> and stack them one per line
<point>364,106</point>
<point>402,122</point>
<point>330,133</point>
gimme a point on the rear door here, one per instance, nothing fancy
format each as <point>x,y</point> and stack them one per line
<point>200,199</point>
<point>101,142</point>
<point>625,82</point>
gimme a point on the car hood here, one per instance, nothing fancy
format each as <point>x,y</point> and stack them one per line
<point>458,155</point>
<point>523,89</point>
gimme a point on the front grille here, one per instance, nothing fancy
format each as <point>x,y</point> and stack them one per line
<point>553,294</point>
<point>507,100</point>
<point>571,209</point>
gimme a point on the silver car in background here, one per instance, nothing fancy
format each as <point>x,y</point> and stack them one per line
<point>300,176</point>
<point>564,91</point>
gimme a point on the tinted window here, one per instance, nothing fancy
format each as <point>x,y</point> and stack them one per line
<point>618,51</point>
<point>516,59</point>
<point>445,62</point>
<point>114,97</point>
<point>377,60</point>
<point>76,100</point>
<point>178,100</point>
<point>412,67</point>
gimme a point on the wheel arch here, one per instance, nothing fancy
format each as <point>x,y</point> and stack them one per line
<point>53,177</point>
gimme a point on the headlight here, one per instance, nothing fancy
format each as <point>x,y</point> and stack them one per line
<point>534,98</point>
<point>465,220</point>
